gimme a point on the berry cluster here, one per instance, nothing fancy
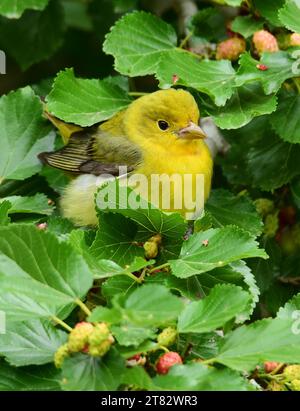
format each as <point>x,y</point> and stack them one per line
<point>92,339</point>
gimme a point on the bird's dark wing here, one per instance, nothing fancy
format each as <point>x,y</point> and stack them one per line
<point>94,152</point>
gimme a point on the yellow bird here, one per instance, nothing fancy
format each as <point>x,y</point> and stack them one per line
<point>158,134</point>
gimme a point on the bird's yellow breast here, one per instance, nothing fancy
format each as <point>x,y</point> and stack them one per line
<point>191,164</point>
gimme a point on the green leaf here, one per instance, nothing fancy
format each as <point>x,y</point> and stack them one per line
<point>286,119</point>
<point>291,309</point>
<point>37,204</point>
<point>42,378</point>
<point>226,208</point>
<point>137,377</point>
<point>202,346</point>
<point>289,15</point>
<point>215,78</point>
<point>119,284</point>
<point>149,219</point>
<point>152,304</point>
<point>17,37</point>
<point>60,226</point>
<point>109,315</point>
<point>85,101</point>
<point>55,178</point>
<point>223,303</point>
<point>13,9</point>
<point>246,25</point>
<point>115,240</point>
<point>199,286</point>
<point>129,334</point>
<point>43,265</point>
<point>224,246</point>
<point>108,268</point>
<point>265,340</point>
<point>198,377</point>
<point>4,211</point>
<point>273,162</point>
<point>137,41</point>
<point>47,260</point>
<point>208,23</point>
<point>34,342</point>
<point>280,68</point>
<point>269,9</point>
<point>23,134</point>
<point>85,373</point>
<point>24,298</point>
<point>247,102</point>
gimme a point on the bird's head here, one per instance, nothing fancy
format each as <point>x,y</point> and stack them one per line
<point>165,117</point>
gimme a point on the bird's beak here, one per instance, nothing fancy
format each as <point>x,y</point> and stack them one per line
<point>191,132</point>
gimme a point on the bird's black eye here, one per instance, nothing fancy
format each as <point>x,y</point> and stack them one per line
<point>163,125</point>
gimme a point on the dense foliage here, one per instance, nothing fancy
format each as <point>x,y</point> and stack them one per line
<point>224,298</point>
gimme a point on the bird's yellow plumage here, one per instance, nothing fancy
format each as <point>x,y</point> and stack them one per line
<point>157,134</point>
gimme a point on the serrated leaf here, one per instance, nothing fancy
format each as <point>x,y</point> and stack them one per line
<point>116,240</point>
<point>42,378</point>
<point>85,101</point>
<point>30,342</point>
<point>273,162</point>
<point>226,208</point>
<point>246,25</point>
<point>13,9</point>
<point>24,298</point>
<point>44,265</point>
<point>265,340</point>
<point>291,309</point>
<point>198,377</point>
<point>289,15</point>
<point>152,304</point>
<point>17,37</point>
<point>269,9</point>
<point>37,204</point>
<point>137,41</point>
<point>23,134</point>
<point>149,220</point>
<point>224,245</point>
<point>222,304</point>
<point>246,103</point>
<point>280,67</point>
<point>85,373</point>
<point>286,119</point>
<point>215,78</point>
<point>199,286</point>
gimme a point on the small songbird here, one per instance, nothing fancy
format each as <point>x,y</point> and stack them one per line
<point>157,134</point>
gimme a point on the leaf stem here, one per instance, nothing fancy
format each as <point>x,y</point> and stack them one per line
<point>186,39</point>
<point>159,267</point>
<point>209,361</point>
<point>137,279</point>
<point>62,323</point>
<point>83,306</point>
<point>137,93</point>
